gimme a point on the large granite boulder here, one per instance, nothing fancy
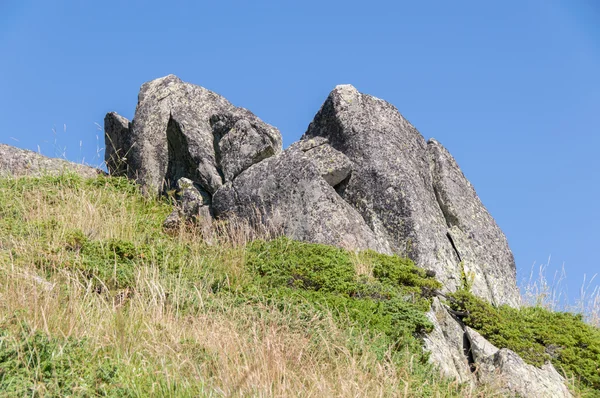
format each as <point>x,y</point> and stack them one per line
<point>18,162</point>
<point>172,136</point>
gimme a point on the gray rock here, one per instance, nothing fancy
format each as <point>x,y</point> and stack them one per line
<point>504,369</point>
<point>287,193</point>
<point>116,142</point>
<point>333,165</point>
<point>171,135</point>
<point>20,162</point>
<point>242,142</point>
<point>446,344</point>
<point>480,244</point>
<point>194,204</point>
<point>390,185</point>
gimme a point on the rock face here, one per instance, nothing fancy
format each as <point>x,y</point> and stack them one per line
<point>288,192</point>
<point>478,241</point>
<point>391,185</point>
<point>176,132</point>
<point>20,162</point>
<point>361,177</point>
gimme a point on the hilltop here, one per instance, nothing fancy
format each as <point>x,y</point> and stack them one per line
<point>359,261</point>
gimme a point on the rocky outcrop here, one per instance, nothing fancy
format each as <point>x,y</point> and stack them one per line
<point>116,143</point>
<point>20,162</point>
<point>391,184</point>
<point>361,177</point>
<point>176,132</point>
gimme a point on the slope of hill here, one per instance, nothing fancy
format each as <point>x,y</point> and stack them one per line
<point>96,299</point>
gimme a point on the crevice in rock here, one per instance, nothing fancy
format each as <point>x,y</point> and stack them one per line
<point>340,188</point>
<point>453,246</point>
<point>467,350</point>
<point>451,219</point>
<point>219,129</point>
<point>180,162</point>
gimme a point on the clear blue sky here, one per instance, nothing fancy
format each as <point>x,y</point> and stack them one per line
<point>511,88</point>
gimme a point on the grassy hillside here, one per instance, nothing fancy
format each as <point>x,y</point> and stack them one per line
<point>97,300</point>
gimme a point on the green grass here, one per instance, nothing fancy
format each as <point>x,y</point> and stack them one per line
<point>97,300</point>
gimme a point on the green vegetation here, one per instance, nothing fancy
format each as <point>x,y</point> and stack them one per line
<point>391,304</point>
<point>97,300</point>
<point>539,335</point>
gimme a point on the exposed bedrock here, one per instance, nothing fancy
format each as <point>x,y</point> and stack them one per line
<point>391,183</point>
<point>290,192</point>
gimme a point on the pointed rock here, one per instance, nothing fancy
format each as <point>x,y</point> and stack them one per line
<point>390,185</point>
<point>116,143</point>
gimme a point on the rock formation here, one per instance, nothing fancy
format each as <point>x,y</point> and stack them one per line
<point>182,130</point>
<point>20,162</point>
<point>361,177</point>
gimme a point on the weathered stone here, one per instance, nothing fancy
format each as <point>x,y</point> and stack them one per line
<point>242,142</point>
<point>20,162</point>
<point>333,165</point>
<point>480,244</point>
<point>504,369</point>
<point>171,135</point>
<point>446,344</point>
<point>390,185</point>
<point>288,193</point>
<point>116,142</point>
<point>194,204</point>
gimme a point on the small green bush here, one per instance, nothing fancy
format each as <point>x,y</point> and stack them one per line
<point>538,335</point>
<point>391,303</point>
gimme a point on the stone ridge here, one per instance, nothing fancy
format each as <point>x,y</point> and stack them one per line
<point>21,162</point>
